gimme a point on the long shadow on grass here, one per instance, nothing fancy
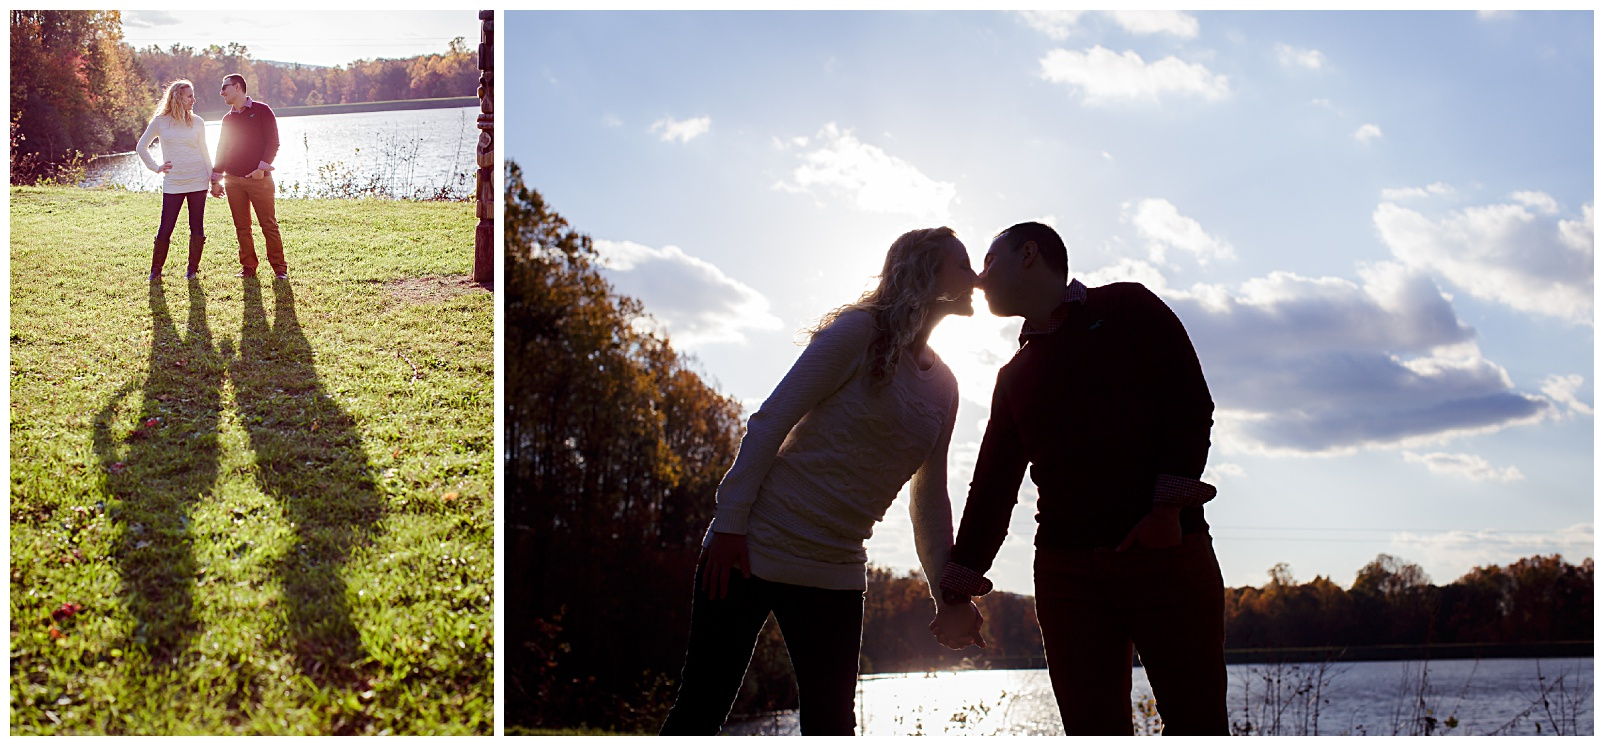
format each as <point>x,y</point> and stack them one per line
<point>309,457</point>
<point>156,472</point>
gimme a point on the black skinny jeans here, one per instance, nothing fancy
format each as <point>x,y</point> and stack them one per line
<point>197,214</point>
<point>823,630</point>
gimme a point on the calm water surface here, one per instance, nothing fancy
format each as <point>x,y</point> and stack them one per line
<point>406,151</point>
<point>1368,698</point>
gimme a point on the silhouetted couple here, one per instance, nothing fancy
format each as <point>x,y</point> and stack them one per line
<point>1106,403</point>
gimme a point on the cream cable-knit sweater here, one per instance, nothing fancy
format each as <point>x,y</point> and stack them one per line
<point>185,146</point>
<point>824,457</point>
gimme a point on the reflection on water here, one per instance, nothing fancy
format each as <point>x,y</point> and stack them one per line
<point>1458,697</point>
<point>408,152</point>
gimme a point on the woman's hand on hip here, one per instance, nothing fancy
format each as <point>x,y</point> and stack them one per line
<point>168,166</point>
<point>722,555</point>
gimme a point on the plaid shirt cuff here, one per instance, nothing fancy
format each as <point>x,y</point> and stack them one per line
<point>1181,492</point>
<point>956,577</point>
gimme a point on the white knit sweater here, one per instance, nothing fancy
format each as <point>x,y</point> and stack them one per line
<point>825,456</point>
<point>185,146</point>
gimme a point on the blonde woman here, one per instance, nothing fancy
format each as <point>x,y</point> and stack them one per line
<point>186,171</point>
<point>867,407</point>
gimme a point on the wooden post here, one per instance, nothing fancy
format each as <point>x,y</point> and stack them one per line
<point>484,234</point>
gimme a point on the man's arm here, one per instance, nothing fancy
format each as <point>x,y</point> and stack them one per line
<point>1186,409</point>
<point>224,142</point>
<point>1185,415</point>
<point>269,139</point>
<point>992,495</point>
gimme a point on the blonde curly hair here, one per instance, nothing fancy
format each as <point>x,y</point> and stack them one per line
<point>169,104</point>
<point>901,302</point>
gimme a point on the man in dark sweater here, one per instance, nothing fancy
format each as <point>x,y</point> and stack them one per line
<point>1105,402</point>
<point>243,169</point>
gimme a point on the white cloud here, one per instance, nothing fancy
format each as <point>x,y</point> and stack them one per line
<point>1505,253</point>
<point>1495,15</point>
<point>612,120</point>
<point>1395,194</point>
<point>1058,24</point>
<point>1367,132</point>
<point>1290,56</point>
<point>1165,227</point>
<point>1172,22</point>
<point>1105,76</point>
<point>1537,201</point>
<point>1562,390</point>
<point>683,130</point>
<point>693,300</point>
<point>150,18</point>
<point>1464,465</point>
<point>875,180</point>
<point>1456,550</point>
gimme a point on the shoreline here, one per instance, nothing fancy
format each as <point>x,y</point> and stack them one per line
<point>1337,653</point>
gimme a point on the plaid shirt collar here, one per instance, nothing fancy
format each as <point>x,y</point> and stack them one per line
<point>1075,292</point>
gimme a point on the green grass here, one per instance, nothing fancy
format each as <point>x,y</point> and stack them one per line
<point>249,506</point>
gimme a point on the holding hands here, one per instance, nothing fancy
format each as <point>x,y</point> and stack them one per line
<point>958,625</point>
<point>217,189</point>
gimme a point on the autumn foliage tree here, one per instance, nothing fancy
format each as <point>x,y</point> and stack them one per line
<point>1392,602</point>
<point>614,447</point>
<point>76,89</point>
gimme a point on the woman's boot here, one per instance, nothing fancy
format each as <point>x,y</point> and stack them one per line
<point>196,243</point>
<point>158,259</point>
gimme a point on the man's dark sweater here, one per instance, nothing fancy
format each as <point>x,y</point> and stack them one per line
<point>1099,409</point>
<point>249,139</point>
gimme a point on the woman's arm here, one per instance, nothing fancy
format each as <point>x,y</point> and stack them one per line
<point>829,361</point>
<point>206,154</point>
<point>143,147</point>
<point>930,508</point>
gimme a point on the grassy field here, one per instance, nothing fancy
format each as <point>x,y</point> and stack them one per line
<point>248,506</point>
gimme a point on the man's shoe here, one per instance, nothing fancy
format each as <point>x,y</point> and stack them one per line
<point>155,277</point>
<point>282,276</point>
<point>192,276</point>
<point>245,273</point>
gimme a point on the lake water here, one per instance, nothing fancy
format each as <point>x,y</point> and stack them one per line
<point>406,153</point>
<point>1367,698</point>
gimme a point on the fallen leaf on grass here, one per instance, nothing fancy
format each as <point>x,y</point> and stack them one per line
<point>314,425</point>
<point>66,610</point>
<point>396,454</point>
<point>56,634</point>
<point>152,422</point>
<point>449,496</point>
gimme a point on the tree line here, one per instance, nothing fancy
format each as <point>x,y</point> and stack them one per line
<point>78,89</point>
<point>615,446</point>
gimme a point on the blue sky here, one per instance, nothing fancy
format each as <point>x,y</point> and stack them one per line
<point>1377,228</point>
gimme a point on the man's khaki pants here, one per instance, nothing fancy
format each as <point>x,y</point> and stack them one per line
<point>244,195</point>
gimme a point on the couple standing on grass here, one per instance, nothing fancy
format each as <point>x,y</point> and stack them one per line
<point>1105,401</point>
<point>244,168</point>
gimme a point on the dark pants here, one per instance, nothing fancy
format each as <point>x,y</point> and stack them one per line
<point>823,630</point>
<point>197,214</point>
<point>1095,604</point>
